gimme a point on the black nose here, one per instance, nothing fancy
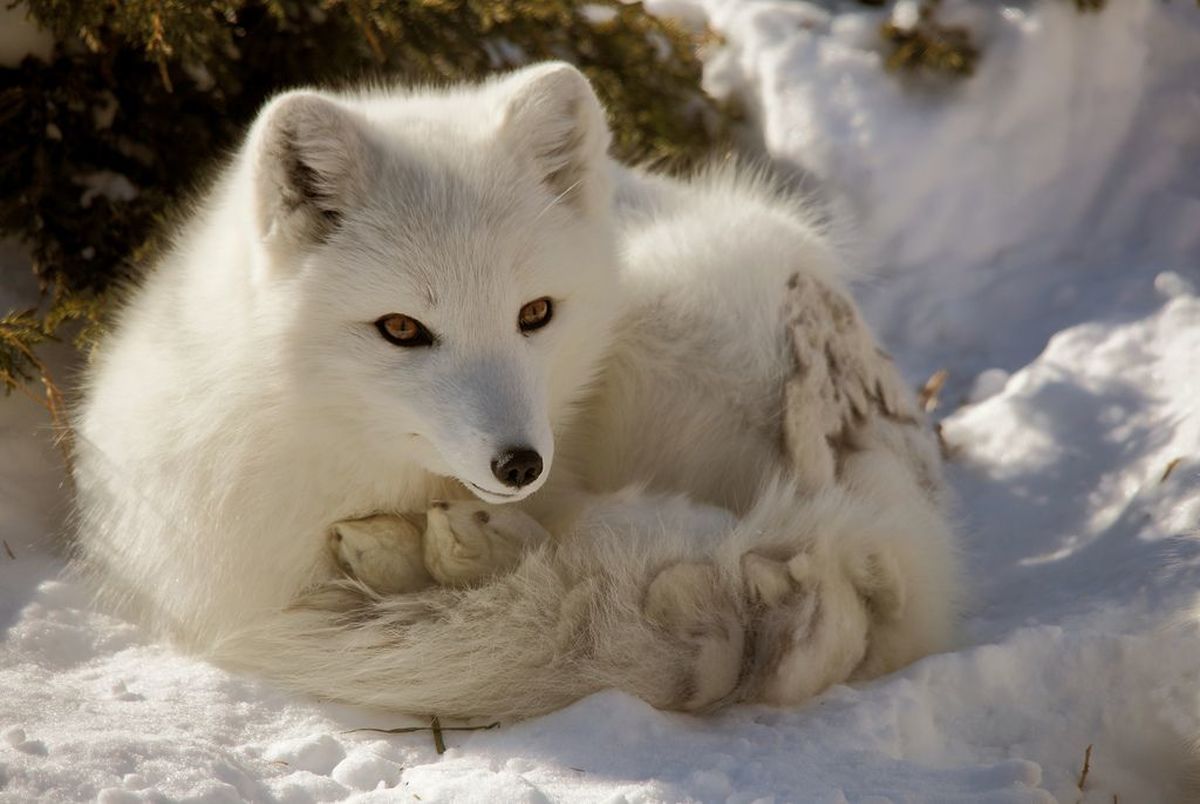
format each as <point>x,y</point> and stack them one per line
<point>517,467</point>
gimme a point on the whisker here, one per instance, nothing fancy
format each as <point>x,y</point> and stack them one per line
<point>556,199</point>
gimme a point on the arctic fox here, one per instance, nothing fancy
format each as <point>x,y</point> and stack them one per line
<point>433,407</point>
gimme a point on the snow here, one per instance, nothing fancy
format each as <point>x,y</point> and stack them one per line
<point>20,37</point>
<point>1034,231</point>
<point>104,183</point>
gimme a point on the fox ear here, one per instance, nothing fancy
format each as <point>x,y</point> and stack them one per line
<point>311,164</point>
<point>551,114</point>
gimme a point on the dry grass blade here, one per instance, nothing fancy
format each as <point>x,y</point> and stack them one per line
<point>927,397</point>
<point>948,451</point>
<point>1170,468</point>
<point>439,742</point>
<point>1087,766</point>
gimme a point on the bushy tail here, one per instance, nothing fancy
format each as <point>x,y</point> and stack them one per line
<point>526,643</point>
<point>572,618</point>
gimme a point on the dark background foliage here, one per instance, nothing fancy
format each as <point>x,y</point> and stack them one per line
<point>154,92</point>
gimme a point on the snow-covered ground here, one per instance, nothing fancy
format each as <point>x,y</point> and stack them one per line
<point>1035,231</point>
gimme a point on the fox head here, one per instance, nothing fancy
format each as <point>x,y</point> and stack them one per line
<point>437,270</point>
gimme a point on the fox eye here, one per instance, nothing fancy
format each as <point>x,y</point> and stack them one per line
<point>536,314</point>
<point>403,330</point>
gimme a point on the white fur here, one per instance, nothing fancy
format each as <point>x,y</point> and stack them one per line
<point>245,408</point>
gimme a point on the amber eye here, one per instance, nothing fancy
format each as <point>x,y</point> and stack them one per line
<point>535,315</point>
<point>403,330</point>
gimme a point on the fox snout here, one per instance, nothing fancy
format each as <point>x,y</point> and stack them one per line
<point>487,419</point>
<point>517,467</point>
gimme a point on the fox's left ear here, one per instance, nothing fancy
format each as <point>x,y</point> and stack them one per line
<point>550,113</point>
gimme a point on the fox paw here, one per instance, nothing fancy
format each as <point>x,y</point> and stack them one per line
<point>384,552</point>
<point>811,625</point>
<point>467,541</point>
<point>688,601</point>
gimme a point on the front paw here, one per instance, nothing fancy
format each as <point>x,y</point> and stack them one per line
<point>384,552</point>
<point>467,541</point>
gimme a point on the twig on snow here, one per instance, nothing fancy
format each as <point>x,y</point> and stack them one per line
<point>435,726</point>
<point>1170,468</point>
<point>1087,766</point>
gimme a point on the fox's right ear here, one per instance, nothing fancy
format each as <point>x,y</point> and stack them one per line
<point>311,164</point>
<point>552,117</point>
